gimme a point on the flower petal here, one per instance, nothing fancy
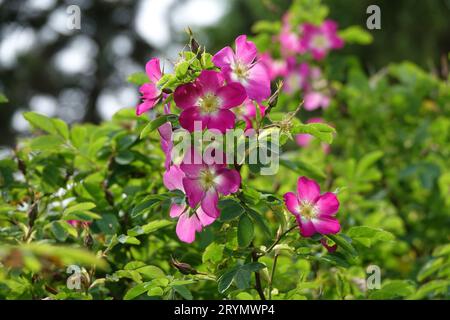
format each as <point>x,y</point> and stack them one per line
<point>291,202</point>
<point>173,178</point>
<point>209,81</point>
<point>194,191</point>
<point>227,181</point>
<point>192,119</point>
<point>186,95</point>
<point>328,204</point>
<point>231,95</point>
<point>222,120</point>
<point>205,220</point>
<point>209,203</point>
<point>258,83</point>
<point>224,57</point>
<point>176,210</point>
<point>153,70</point>
<point>326,225</point>
<point>307,228</point>
<point>145,106</point>
<point>245,50</point>
<point>307,189</point>
<point>187,226</point>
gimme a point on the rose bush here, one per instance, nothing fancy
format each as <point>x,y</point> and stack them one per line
<point>143,223</point>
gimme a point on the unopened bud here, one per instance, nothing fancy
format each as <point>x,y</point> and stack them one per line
<point>183,267</point>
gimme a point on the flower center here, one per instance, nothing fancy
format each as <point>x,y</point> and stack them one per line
<point>207,179</point>
<point>308,210</point>
<point>320,41</point>
<point>240,70</point>
<point>209,103</point>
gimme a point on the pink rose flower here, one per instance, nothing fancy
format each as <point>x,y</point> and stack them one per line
<point>314,212</point>
<point>151,94</point>
<point>248,111</point>
<point>188,224</point>
<point>319,40</point>
<point>275,68</point>
<point>296,78</point>
<point>207,101</point>
<point>241,66</point>
<point>204,182</point>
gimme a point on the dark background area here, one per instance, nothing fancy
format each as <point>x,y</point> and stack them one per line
<point>411,30</point>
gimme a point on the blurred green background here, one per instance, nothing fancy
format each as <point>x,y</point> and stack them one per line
<point>80,75</point>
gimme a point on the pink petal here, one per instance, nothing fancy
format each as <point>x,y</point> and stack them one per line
<point>204,218</point>
<point>245,50</point>
<point>192,119</point>
<point>307,228</point>
<point>186,95</point>
<point>192,164</point>
<point>222,120</point>
<point>328,204</point>
<point>313,100</point>
<point>209,203</point>
<point>153,70</point>
<point>187,226</point>
<point>232,95</point>
<point>307,190</point>
<point>292,204</point>
<point>176,210</point>
<point>224,57</point>
<point>209,81</point>
<point>145,106</point>
<point>227,181</point>
<point>173,178</point>
<point>194,191</point>
<point>303,139</point>
<point>149,91</point>
<point>326,225</point>
<point>258,83</point>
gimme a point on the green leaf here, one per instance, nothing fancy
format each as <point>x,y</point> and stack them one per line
<point>356,34</point>
<point>124,157</point>
<point>40,121</point>
<point>46,143</point>
<point>181,69</point>
<point>367,236</point>
<point>137,290</point>
<point>151,272</point>
<point>321,131</point>
<point>149,227</point>
<point>260,221</point>
<point>213,253</point>
<point>138,78</point>
<point>3,98</point>
<point>83,206</point>
<point>344,243</point>
<point>226,280</point>
<point>303,168</point>
<point>183,292</point>
<point>127,239</point>
<point>245,231</point>
<point>240,275</point>
<point>393,289</point>
<point>155,124</point>
<point>229,209</point>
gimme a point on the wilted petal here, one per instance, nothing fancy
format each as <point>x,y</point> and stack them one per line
<point>307,190</point>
